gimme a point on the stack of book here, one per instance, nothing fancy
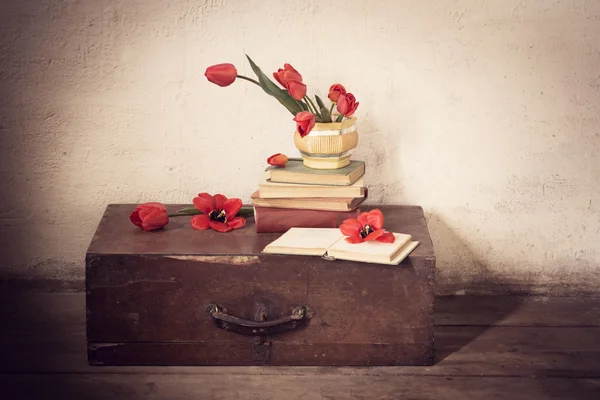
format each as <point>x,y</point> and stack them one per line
<point>298,196</point>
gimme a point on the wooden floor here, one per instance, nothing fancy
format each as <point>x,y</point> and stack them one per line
<point>487,348</point>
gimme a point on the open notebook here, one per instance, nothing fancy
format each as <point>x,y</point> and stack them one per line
<point>329,243</point>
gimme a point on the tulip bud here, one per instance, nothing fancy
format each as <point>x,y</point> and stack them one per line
<point>221,74</point>
<point>296,89</point>
<point>335,90</point>
<point>286,74</point>
<point>277,160</point>
<point>347,104</point>
<point>305,121</point>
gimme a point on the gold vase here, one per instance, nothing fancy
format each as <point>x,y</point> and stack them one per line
<point>328,145</point>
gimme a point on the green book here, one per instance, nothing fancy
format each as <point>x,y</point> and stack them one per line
<point>296,172</point>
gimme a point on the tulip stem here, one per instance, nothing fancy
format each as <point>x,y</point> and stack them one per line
<point>248,79</point>
<point>301,105</point>
<point>182,214</point>
<point>309,107</point>
<point>315,111</point>
<point>331,109</point>
<point>339,118</point>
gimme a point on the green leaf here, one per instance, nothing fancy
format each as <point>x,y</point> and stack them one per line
<point>185,211</point>
<point>289,103</point>
<point>273,90</point>
<point>320,102</point>
<point>188,211</point>
<point>325,114</point>
<point>246,212</point>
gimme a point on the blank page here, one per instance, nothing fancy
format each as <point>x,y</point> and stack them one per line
<point>307,238</point>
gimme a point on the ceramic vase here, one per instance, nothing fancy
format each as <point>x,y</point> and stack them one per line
<point>328,145</point>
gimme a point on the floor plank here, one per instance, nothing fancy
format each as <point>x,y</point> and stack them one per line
<point>517,311</point>
<point>23,307</point>
<point>232,386</point>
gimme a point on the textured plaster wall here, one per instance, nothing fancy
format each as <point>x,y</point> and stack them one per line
<point>486,113</point>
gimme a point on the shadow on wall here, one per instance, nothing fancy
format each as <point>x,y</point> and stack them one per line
<point>460,271</point>
<point>30,136</point>
<point>15,147</point>
<point>36,141</point>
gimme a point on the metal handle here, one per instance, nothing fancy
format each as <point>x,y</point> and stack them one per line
<point>299,315</point>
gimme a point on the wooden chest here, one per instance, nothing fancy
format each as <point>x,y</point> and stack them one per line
<point>184,297</point>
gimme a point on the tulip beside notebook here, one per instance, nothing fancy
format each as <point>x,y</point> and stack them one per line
<point>330,243</point>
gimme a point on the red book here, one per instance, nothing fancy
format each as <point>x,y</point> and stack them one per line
<point>277,220</point>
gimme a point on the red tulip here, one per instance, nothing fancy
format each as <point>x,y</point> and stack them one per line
<point>221,74</point>
<point>335,90</point>
<point>305,121</point>
<point>219,213</point>
<point>288,73</point>
<point>296,89</point>
<point>150,216</point>
<point>278,160</point>
<point>347,104</point>
<point>368,226</point>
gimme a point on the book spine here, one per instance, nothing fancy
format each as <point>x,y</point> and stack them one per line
<point>279,220</point>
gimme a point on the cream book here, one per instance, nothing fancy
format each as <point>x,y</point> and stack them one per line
<point>329,243</point>
<point>310,203</point>
<point>271,190</point>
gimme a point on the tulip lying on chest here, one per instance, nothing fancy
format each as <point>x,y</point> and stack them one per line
<point>150,216</point>
<point>218,213</point>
